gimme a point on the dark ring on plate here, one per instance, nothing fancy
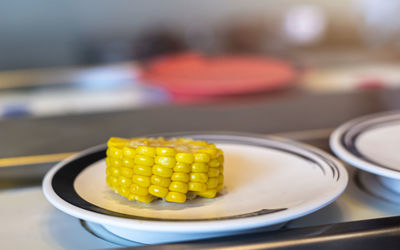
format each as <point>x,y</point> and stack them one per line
<point>349,138</point>
<point>63,179</point>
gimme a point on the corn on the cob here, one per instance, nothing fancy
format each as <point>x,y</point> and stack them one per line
<point>144,169</point>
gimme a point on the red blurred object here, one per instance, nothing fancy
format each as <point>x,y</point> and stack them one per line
<point>198,75</point>
<point>372,83</point>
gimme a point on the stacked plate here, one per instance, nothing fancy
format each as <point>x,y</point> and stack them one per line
<point>372,144</point>
<point>268,181</point>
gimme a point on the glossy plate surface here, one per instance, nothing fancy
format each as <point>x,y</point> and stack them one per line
<point>267,181</point>
<point>370,143</point>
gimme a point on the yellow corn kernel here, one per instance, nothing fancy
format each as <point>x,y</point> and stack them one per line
<point>139,190</point>
<point>114,153</point>
<point>165,151</point>
<point>184,157</point>
<point>182,167</point>
<point>146,150</point>
<point>211,193</point>
<point>124,181</point>
<point>124,191</point>
<point>197,186</point>
<point>183,177</point>
<point>108,171</point>
<point>142,170</point>
<point>212,152</point>
<point>177,186</point>
<point>128,163</point>
<point>165,161</point>
<point>144,160</point>
<point>212,183</point>
<point>201,157</point>
<point>144,198</point>
<point>220,187</point>
<point>199,177</point>
<point>221,169</point>
<point>129,152</point>
<point>117,142</point>
<point>158,191</point>
<point>221,159</point>
<point>127,172</point>
<point>162,171</point>
<point>115,171</point>
<point>139,141</point>
<point>131,196</point>
<point>175,197</point>
<point>200,143</point>
<point>199,167</point>
<point>220,178</point>
<point>214,163</point>
<point>160,181</point>
<point>112,181</point>
<point>213,172</point>
<point>115,162</point>
<point>143,181</point>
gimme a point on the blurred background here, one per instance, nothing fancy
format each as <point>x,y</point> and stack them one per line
<point>88,56</point>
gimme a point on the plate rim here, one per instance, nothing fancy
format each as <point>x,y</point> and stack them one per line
<point>344,153</point>
<point>208,226</point>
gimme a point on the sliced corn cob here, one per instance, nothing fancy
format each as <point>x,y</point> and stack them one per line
<point>144,169</point>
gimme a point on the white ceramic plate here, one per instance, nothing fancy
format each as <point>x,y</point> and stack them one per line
<point>267,182</point>
<point>371,143</point>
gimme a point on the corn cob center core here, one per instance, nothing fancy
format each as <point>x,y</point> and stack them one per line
<point>145,169</point>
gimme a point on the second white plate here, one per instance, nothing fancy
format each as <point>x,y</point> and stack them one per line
<point>370,143</point>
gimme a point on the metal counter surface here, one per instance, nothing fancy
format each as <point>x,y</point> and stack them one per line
<point>30,221</point>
